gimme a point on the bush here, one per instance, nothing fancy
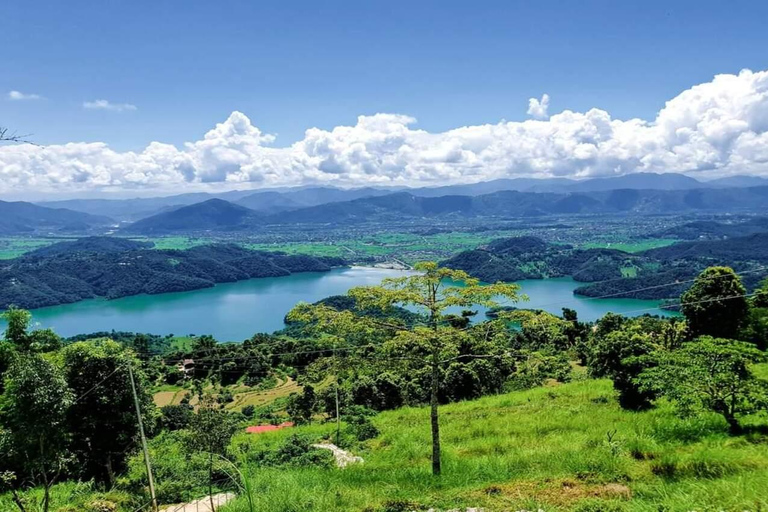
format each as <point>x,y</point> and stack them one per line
<point>175,417</point>
<point>296,451</point>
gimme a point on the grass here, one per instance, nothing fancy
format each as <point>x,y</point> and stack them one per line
<point>547,448</point>
<point>243,395</point>
<point>259,398</point>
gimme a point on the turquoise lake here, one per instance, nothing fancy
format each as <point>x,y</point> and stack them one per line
<point>235,311</point>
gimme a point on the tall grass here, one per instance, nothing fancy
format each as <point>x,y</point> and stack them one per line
<point>547,448</point>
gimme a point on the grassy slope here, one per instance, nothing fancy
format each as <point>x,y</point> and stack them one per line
<point>546,448</point>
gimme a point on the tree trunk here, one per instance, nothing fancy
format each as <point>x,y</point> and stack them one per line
<point>46,497</point>
<point>433,414</point>
<point>734,428</point>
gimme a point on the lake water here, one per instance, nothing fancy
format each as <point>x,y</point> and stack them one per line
<point>235,311</point>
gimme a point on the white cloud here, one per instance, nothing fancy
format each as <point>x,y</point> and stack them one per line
<point>717,128</point>
<point>20,96</point>
<point>538,108</point>
<point>106,105</point>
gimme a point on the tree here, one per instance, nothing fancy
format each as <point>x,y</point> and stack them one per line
<point>622,355</point>
<point>211,430</point>
<point>712,374</point>
<point>433,291</point>
<point>33,409</point>
<point>18,334</point>
<point>103,421</point>
<point>301,406</point>
<point>715,304</point>
<point>18,322</point>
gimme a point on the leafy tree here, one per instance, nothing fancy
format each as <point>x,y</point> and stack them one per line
<point>760,300</point>
<point>176,417</point>
<point>17,333</point>
<point>621,355</point>
<point>18,321</point>
<point>33,409</point>
<point>712,374</point>
<point>301,406</point>
<point>211,431</point>
<point>755,329</point>
<point>433,291</point>
<point>103,421</point>
<point>715,304</point>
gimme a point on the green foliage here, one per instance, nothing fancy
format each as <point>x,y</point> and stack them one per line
<point>715,304</point>
<point>710,374</point>
<point>533,369</point>
<point>619,350</point>
<point>302,406</point>
<point>295,451</point>
<point>33,410</point>
<point>103,420</point>
<point>176,417</point>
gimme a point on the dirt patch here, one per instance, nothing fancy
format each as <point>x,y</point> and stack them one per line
<point>561,493</point>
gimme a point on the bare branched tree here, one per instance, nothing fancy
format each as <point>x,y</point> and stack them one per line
<point>7,136</point>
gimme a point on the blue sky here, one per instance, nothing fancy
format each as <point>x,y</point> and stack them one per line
<point>290,66</point>
<point>140,97</point>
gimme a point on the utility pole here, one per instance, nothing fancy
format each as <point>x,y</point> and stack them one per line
<point>338,417</point>
<point>143,440</point>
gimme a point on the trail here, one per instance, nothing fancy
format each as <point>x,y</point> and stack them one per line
<point>201,505</point>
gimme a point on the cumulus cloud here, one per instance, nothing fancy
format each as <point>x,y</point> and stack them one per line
<point>106,105</point>
<point>717,128</point>
<point>538,108</point>
<point>20,96</point>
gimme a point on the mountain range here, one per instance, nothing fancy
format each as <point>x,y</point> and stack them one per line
<point>20,218</point>
<point>286,199</point>
<point>216,214</point>
<point>521,197</point>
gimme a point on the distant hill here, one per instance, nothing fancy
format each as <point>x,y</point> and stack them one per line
<point>638,181</point>
<point>711,229</point>
<point>111,268</point>
<point>738,181</point>
<point>21,218</point>
<point>513,259</point>
<point>753,247</point>
<point>210,215</point>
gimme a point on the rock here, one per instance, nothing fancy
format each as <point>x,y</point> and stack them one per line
<point>343,457</point>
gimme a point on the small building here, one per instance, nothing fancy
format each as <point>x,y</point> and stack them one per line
<point>258,429</point>
<point>186,366</point>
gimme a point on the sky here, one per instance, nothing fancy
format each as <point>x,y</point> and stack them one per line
<point>143,97</point>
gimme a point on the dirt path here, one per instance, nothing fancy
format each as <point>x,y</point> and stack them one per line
<point>202,504</point>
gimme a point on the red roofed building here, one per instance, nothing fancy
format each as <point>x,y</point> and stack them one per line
<point>258,429</point>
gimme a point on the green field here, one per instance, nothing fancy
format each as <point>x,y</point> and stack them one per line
<point>549,448</point>
<point>643,245</point>
<point>13,247</point>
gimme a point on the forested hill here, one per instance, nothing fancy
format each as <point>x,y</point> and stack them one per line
<point>105,267</point>
<point>20,218</point>
<point>714,230</point>
<point>513,259</point>
<point>655,274</point>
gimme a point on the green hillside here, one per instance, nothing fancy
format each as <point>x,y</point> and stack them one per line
<point>548,448</point>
